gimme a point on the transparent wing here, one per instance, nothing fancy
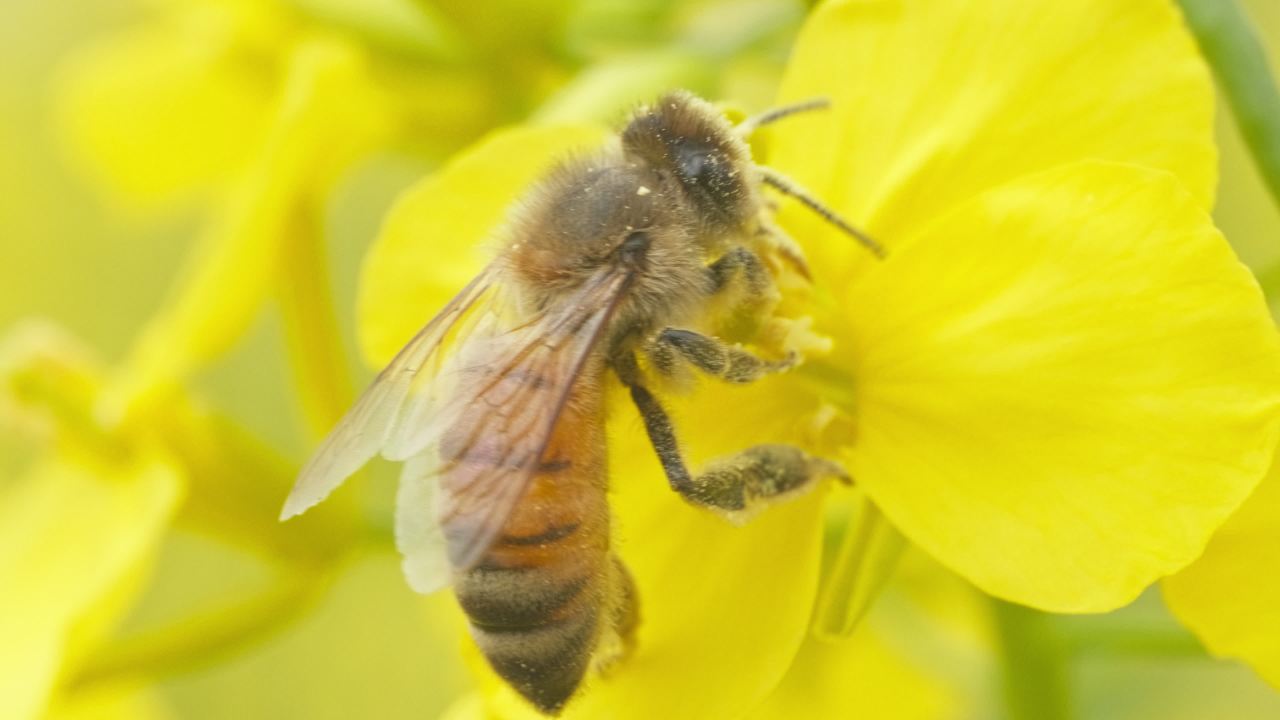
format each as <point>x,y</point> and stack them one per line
<point>418,536</point>
<point>364,430</point>
<point>480,433</point>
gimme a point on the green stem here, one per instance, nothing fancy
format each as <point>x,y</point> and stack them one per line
<point>1269,279</point>
<point>868,555</point>
<point>203,637</point>
<point>1034,664</point>
<point>1121,636</point>
<point>1240,63</point>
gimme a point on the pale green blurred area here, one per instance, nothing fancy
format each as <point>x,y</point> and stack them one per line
<point>1148,687</point>
<point>1245,211</point>
<point>371,648</point>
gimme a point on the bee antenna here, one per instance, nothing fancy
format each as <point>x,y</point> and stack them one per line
<point>755,122</point>
<point>786,186</point>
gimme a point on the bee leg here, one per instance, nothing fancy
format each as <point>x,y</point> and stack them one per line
<point>626,608</point>
<point>740,277</point>
<point>619,638</point>
<point>742,483</point>
<point>733,486</point>
<point>712,356</point>
<point>737,261</point>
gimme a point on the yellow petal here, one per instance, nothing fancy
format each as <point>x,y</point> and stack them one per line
<point>1230,597</point>
<point>934,102</point>
<point>433,240</point>
<point>858,677</point>
<point>468,707</point>
<point>120,701</point>
<point>72,533</point>
<point>322,121</point>
<point>1064,386</point>
<point>164,108</point>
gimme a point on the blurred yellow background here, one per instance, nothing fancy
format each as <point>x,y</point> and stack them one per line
<point>78,253</point>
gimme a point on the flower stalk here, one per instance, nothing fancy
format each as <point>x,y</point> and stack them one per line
<point>1033,663</point>
<point>868,555</point>
<point>1240,63</point>
<point>205,637</point>
<point>321,375</point>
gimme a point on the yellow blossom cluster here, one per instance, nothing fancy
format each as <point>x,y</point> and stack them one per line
<point>1058,394</point>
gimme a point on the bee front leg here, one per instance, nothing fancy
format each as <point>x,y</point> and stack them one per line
<point>712,356</point>
<point>743,287</point>
<point>737,485</point>
<point>739,261</point>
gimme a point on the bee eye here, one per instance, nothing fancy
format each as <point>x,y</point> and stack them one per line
<point>632,250</point>
<point>692,165</point>
<point>703,167</point>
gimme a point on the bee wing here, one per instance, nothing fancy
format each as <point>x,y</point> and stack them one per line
<point>480,443</point>
<point>366,427</point>
<point>419,537</point>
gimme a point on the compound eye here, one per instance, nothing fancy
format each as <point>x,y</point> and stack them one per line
<point>692,165</point>
<point>632,250</point>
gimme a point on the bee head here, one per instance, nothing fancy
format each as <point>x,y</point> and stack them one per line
<point>684,139</point>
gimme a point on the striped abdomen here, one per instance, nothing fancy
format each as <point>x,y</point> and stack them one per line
<point>537,600</point>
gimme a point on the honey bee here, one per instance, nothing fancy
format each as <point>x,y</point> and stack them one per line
<point>496,406</point>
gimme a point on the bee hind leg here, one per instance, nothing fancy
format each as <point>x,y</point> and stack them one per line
<point>734,486</point>
<point>618,639</point>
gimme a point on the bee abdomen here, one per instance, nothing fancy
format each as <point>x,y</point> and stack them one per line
<point>500,600</point>
<point>552,534</point>
<point>538,632</point>
<point>545,663</point>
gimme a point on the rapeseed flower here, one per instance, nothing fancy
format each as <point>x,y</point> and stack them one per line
<point>1229,597</point>
<point>80,526</point>
<point>178,103</point>
<point>132,452</point>
<point>1009,418</point>
<point>83,524</point>
<point>1059,384</point>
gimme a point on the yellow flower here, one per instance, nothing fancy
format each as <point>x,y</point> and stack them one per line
<point>82,524</point>
<point>266,236</point>
<point>180,102</point>
<point>77,530</point>
<point>1059,384</point>
<point>1063,379</point>
<point>1230,597</point>
<point>258,108</point>
<point>861,675</point>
